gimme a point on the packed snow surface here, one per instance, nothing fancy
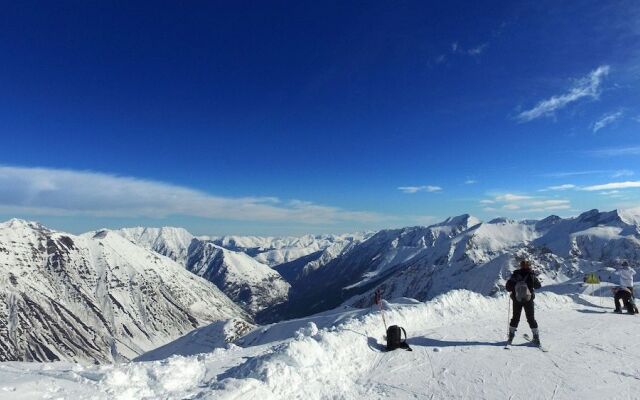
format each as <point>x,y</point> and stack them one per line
<point>457,340</point>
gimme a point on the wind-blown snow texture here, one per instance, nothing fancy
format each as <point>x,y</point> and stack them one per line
<point>457,353</point>
<point>94,298</point>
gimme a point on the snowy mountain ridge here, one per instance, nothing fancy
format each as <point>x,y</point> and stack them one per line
<point>96,298</point>
<point>464,253</point>
<point>240,266</point>
<point>279,250</point>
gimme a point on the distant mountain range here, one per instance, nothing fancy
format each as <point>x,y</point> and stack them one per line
<point>110,295</point>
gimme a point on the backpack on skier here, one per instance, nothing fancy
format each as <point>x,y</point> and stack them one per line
<point>521,291</point>
<point>394,338</point>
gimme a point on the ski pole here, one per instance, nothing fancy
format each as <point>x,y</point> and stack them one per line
<point>378,300</point>
<point>508,315</point>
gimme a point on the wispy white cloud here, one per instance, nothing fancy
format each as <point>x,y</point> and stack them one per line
<point>512,197</point>
<point>616,152</point>
<point>613,185</point>
<point>607,119</point>
<point>478,49</point>
<point>587,87</point>
<point>416,189</point>
<point>46,191</point>
<point>525,204</point>
<point>622,173</point>
<point>457,50</point>
<point>474,51</point>
<point>574,173</point>
<point>566,186</point>
<point>470,182</point>
<point>550,204</point>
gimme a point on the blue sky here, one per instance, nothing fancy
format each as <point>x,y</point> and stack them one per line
<point>294,117</point>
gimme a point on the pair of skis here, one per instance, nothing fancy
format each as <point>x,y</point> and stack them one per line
<point>528,338</point>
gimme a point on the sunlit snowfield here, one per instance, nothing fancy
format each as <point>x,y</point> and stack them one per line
<point>457,342</point>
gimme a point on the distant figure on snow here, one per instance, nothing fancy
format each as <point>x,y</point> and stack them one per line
<point>624,294</point>
<point>522,285</point>
<point>626,274</point>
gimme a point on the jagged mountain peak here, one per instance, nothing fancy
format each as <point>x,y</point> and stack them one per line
<point>463,220</point>
<point>17,223</point>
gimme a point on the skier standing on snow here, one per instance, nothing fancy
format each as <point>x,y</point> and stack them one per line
<point>624,294</point>
<point>522,284</point>
<point>626,274</point>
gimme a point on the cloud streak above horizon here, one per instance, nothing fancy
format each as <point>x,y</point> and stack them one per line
<point>587,87</point>
<point>613,185</point>
<point>606,120</point>
<point>416,189</point>
<point>59,192</point>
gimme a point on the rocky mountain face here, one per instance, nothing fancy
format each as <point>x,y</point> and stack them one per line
<point>95,298</point>
<point>252,285</point>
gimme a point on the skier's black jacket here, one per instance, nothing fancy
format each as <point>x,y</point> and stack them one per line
<point>530,278</point>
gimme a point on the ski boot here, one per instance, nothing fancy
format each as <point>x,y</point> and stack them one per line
<point>536,337</point>
<point>512,334</point>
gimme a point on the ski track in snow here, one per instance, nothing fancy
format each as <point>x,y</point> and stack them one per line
<point>457,342</point>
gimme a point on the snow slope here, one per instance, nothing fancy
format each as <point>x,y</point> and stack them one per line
<point>457,353</point>
<point>94,298</point>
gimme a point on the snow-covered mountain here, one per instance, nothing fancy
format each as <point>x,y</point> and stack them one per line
<point>94,298</point>
<point>168,241</point>
<point>252,285</point>
<point>279,250</point>
<point>465,253</point>
<point>240,266</point>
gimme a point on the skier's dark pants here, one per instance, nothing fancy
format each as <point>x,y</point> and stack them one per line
<point>528,310</point>
<point>626,300</point>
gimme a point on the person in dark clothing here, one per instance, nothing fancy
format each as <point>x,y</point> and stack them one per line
<point>624,294</point>
<point>523,299</point>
